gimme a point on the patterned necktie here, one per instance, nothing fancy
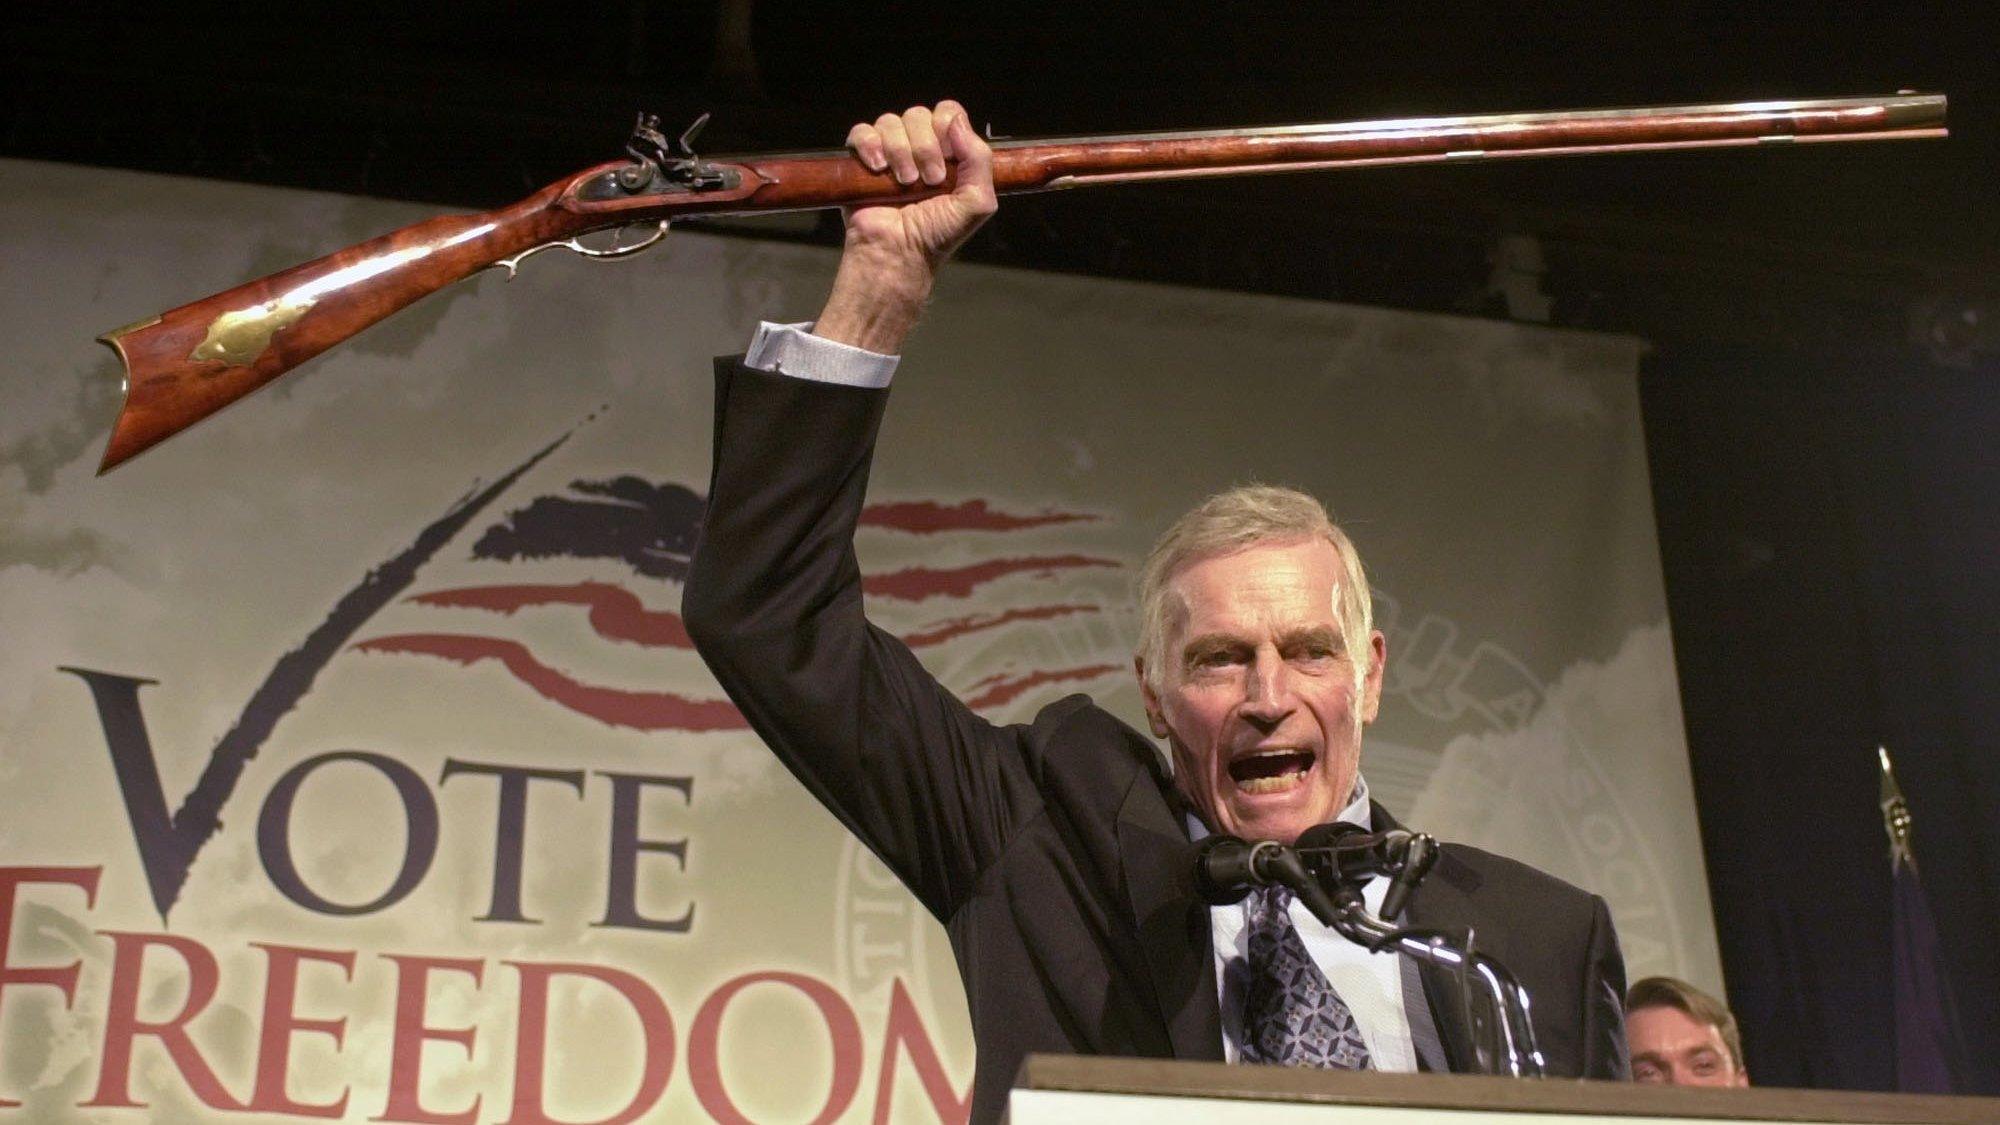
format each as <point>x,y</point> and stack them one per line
<point>1291,1014</point>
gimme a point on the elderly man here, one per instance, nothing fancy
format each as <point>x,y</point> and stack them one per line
<point>1057,853</point>
<point>1682,1036</point>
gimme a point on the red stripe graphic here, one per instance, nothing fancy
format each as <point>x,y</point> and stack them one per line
<point>960,626</point>
<point>661,710</point>
<point>616,613</point>
<point>1005,687</point>
<point>635,710</point>
<point>920,582</point>
<point>928,517</point>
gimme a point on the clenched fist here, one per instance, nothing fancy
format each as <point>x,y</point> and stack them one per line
<point>893,251</point>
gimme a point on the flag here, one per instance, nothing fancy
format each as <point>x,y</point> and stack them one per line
<point>971,586</point>
<point>1930,1054</point>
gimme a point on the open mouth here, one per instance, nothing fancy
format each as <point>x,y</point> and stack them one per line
<point>1270,771</point>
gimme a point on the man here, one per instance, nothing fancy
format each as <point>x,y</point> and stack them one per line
<point>1682,1036</point>
<point>1057,853</point>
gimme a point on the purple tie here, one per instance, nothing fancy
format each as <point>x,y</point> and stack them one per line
<point>1291,1014</point>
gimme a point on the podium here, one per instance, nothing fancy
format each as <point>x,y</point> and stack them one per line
<point>1090,1090</point>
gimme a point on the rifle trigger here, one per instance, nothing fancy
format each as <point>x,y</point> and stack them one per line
<point>612,253</point>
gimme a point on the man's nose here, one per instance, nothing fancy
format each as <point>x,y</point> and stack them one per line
<point>1268,695</point>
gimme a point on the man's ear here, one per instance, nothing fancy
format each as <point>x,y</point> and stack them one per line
<point>1155,718</point>
<point>1371,684</point>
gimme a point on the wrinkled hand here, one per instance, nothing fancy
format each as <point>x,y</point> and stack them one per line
<point>916,146</point>
<point>893,252</point>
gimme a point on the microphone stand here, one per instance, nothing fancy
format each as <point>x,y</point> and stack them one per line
<point>1492,1000</point>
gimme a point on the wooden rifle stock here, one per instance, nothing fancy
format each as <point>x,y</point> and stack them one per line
<point>187,363</point>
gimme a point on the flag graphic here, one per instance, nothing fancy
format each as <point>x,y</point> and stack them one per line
<point>982,593</point>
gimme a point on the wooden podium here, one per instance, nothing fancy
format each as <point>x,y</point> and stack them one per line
<point>1087,1090</point>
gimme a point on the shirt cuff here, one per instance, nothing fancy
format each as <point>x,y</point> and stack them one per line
<point>792,349</point>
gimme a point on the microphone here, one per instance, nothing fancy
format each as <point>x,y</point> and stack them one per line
<point>1352,854</point>
<point>1417,862</point>
<point>1226,868</point>
<point>1355,853</point>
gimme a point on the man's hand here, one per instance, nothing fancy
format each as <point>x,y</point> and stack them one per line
<point>893,252</point>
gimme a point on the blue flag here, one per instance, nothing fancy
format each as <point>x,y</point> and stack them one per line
<point>1930,1054</point>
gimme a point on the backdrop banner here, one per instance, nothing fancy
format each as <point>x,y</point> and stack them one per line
<point>354,762</point>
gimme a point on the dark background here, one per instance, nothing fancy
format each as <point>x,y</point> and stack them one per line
<point>1820,401</point>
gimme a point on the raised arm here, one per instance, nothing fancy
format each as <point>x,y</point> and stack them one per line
<point>774,600</point>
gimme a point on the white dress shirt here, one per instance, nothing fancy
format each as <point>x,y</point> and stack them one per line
<point>792,349</point>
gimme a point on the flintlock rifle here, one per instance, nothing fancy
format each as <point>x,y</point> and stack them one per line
<point>187,363</point>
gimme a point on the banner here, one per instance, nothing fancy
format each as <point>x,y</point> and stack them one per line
<point>354,762</point>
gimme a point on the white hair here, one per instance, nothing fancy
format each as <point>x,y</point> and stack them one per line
<point>1247,516</point>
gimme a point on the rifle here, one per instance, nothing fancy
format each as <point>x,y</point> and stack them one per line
<point>187,363</point>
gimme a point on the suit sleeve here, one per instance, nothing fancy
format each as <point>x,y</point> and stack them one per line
<point>774,606</point>
<point>1604,1051</point>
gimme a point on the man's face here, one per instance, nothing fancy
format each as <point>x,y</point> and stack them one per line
<point>1259,699</point>
<point>1672,1048</point>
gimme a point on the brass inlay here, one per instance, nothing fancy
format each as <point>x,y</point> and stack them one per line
<point>238,338</point>
<point>113,336</point>
<point>115,340</point>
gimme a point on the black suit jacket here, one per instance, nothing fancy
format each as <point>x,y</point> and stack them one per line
<point>1054,852</point>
